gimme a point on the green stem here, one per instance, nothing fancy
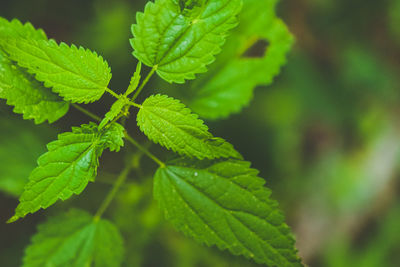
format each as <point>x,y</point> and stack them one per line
<point>144,150</point>
<point>86,112</point>
<point>146,80</point>
<point>107,201</point>
<point>128,137</point>
<point>135,105</point>
<point>114,94</point>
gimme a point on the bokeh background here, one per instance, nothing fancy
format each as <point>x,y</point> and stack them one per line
<point>325,135</point>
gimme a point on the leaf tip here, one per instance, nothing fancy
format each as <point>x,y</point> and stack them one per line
<point>13,219</point>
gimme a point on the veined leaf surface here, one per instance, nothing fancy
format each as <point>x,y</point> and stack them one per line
<point>70,163</point>
<point>168,122</point>
<point>229,85</point>
<point>224,203</point>
<point>75,239</point>
<point>180,39</point>
<point>76,74</point>
<point>28,96</point>
<point>19,88</point>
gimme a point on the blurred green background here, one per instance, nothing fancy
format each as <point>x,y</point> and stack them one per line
<point>325,135</point>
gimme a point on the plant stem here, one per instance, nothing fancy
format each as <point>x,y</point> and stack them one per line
<point>135,105</point>
<point>144,150</point>
<point>107,201</point>
<point>146,80</point>
<point>86,112</point>
<point>127,136</point>
<point>114,94</point>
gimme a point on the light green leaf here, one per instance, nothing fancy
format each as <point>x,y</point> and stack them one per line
<point>67,167</point>
<point>15,29</point>
<point>167,122</point>
<point>224,203</point>
<point>21,144</point>
<point>115,110</point>
<point>135,80</point>
<point>28,96</point>
<point>178,40</point>
<point>19,88</point>
<point>112,137</point>
<point>76,74</point>
<point>75,239</point>
<point>230,83</point>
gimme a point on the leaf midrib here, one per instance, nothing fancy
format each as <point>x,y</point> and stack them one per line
<point>71,164</point>
<point>178,39</point>
<point>98,85</point>
<point>225,210</point>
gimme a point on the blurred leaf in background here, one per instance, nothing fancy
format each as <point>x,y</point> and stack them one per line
<point>21,143</point>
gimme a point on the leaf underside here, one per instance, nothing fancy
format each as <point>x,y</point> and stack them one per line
<point>168,122</point>
<point>180,42</point>
<point>70,163</point>
<point>75,239</point>
<point>225,204</point>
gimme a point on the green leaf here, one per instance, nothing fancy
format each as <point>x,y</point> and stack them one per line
<point>135,80</point>
<point>115,110</point>
<point>15,29</point>
<point>76,74</point>
<point>19,88</point>
<point>230,83</point>
<point>21,144</point>
<point>67,167</point>
<point>178,40</point>
<point>75,239</point>
<point>167,122</point>
<point>27,95</point>
<point>225,204</point>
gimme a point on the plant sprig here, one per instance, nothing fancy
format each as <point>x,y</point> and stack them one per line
<point>208,192</point>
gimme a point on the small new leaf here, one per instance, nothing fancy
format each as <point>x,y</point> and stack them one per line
<point>167,122</point>
<point>180,38</point>
<point>135,80</point>
<point>70,163</point>
<point>115,110</point>
<point>75,239</point>
<point>224,203</point>
<point>76,74</point>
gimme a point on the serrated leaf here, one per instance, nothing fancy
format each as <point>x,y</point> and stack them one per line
<point>76,74</point>
<point>70,163</point>
<point>115,110</point>
<point>134,80</point>
<point>27,95</point>
<point>230,83</point>
<point>75,239</point>
<point>178,40</point>
<point>15,29</point>
<point>167,122</point>
<point>19,88</point>
<point>224,203</point>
